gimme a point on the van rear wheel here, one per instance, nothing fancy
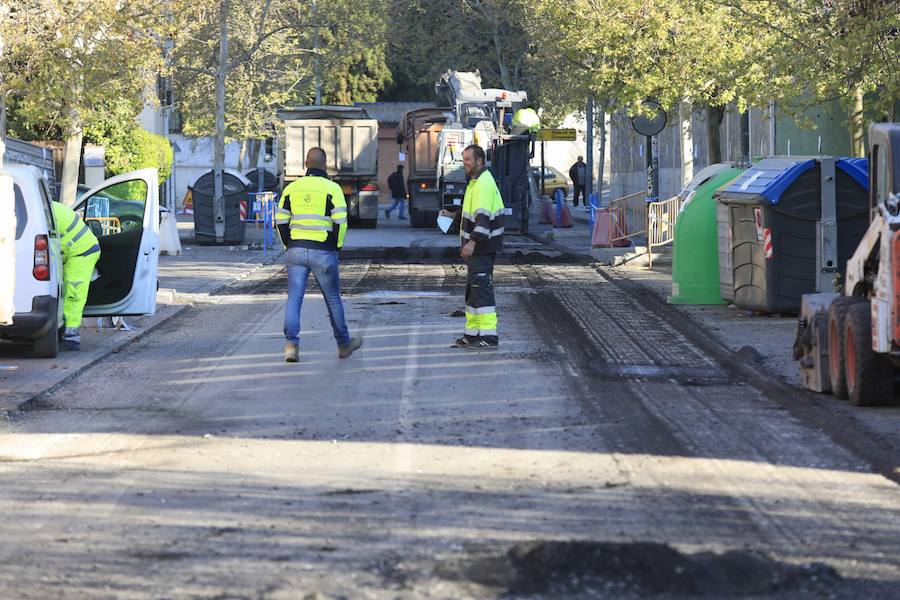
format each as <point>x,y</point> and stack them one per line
<point>46,346</point>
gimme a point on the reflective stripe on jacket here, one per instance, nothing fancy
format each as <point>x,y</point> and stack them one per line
<point>313,209</point>
<point>75,238</point>
<point>482,214</point>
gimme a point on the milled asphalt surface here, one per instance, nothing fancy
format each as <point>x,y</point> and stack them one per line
<point>193,463</point>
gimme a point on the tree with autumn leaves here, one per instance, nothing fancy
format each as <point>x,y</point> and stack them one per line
<point>713,53</point>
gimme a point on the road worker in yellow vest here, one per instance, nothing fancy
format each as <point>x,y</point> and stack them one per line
<point>80,252</point>
<point>525,119</point>
<point>312,221</point>
<point>481,238</point>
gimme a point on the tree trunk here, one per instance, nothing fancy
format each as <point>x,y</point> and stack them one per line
<point>71,161</point>
<point>253,148</point>
<point>601,160</point>
<point>242,154</point>
<point>219,157</point>
<point>686,133</point>
<point>714,116</point>
<point>498,50</point>
<point>857,123</point>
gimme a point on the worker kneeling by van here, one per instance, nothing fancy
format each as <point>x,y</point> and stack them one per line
<point>80,252</point>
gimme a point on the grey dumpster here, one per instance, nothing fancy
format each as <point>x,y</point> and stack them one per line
<point>235,188</point>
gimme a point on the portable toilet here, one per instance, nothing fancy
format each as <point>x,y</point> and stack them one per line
<point>695,252</point>
<point>794,221</point>
<point>235,188</point>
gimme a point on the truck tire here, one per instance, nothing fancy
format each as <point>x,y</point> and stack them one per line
<point>417,218</point>
<point>367,223</point>
<point>870,376</point>
<point>46,346</point>
<point>836,371</point>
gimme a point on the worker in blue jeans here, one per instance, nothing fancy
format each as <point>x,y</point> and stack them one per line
<point>312,221</point>
<point>323,264</point>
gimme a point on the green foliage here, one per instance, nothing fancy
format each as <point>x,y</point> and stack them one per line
<point>129,148</point>
<point>466,35</point>
<point>63,62</point>
<point>274,57</point>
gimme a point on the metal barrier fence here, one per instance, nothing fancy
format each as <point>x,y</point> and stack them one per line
<point>661,218</point>
<point>628,216</point>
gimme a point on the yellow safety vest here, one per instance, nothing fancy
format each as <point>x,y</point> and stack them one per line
<point>75,238</point>
<point>482,213</point>
<point>527,117</point>
<point>304,205</point>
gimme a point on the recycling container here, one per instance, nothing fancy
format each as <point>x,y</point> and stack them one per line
<point>794,223</point>
<point>235,188</point>
<point>695,252</point>
<point>269,181</point>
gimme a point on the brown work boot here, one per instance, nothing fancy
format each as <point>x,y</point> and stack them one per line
<point>291,352</point>
<point>346,351</point>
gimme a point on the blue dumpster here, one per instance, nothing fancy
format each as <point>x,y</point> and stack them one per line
<point>794,222</point>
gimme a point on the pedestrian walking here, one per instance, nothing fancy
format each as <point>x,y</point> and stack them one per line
<point>481,238</point>
<point>312,221</point>
<point>578,175</point>
<point>80,252</point>
<point>398,192</point>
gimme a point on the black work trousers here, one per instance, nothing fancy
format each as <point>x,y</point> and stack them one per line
<point>481,311</point>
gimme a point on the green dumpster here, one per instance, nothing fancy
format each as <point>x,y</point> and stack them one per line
<point>695,253</point>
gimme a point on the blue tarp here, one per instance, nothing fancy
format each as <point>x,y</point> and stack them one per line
<point>771,177</point>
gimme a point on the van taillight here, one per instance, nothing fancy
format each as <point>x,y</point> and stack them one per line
<point>368,187</point>
<point>41,269</point>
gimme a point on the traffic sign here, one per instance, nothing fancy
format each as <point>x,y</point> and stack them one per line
<point>556,135</point>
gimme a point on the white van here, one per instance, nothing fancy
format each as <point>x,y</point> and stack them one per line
<point>123,212</point>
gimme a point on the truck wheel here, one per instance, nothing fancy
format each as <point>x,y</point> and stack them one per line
<point>46,346</point>
<point>836,371</point>
<point>367,223</point>
<point>870,376</point>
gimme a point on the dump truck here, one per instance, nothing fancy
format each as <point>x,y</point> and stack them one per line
<point>482,117</point>
<point>848,342</point>
<point>350,140</point>
<point>418,134</point>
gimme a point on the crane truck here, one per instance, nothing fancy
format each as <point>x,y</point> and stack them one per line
<point>848,343</point>
<point>481,116</point>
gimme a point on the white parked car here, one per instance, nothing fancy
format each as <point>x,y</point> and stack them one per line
<point>123,212</point>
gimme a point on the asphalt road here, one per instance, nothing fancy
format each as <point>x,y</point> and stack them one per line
<point>600,452</point>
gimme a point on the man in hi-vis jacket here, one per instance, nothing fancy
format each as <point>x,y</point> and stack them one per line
<point>481,238</point>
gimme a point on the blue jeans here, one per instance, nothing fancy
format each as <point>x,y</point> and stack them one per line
<point>324,266</point>
<point>397,202</point>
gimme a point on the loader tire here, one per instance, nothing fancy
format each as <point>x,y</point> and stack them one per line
<point>837,313</point>
<point>870,375</point>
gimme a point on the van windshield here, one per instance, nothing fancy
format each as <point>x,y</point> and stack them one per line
<point>21,213</point>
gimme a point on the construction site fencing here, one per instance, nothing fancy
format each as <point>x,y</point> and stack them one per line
<point>628,216</point>
<point>661,217</point>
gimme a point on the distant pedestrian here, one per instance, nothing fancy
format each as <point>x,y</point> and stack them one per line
<point>398,192</point>
<point>481,238</point>
<point>578,175</point>
<point>312,221</point>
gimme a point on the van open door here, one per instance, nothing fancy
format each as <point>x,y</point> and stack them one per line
<point>123,212</point>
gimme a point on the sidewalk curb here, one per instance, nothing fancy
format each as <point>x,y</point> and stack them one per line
<point>34,402</point>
